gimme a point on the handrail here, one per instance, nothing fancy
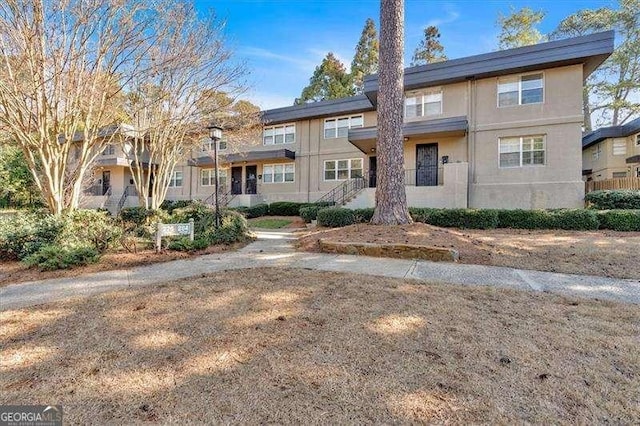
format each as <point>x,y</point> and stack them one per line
<point>342,193</point>
<point>129,190</point>
<point>224,198</point>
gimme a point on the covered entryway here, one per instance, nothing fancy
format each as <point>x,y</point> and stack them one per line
<point>427,164</point>
<point>236,180</point>
<point>252,179</point>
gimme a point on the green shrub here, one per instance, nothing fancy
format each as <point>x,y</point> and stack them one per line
<point>619,220</point>
<point>613,199</point>
<point>284,208</point>
<point>170,205</point>
<point>93,227</point>
<point>309,213</point>
<point>24,234</point>
<point>233,228</point>
<point>575,219</point>
<point>335,217</point>
<point>525,219</point>
<point>53,257</point>
<point>363,215</point>
<point>258,210</point>
<point>184,244</point>
<point>457,218</point>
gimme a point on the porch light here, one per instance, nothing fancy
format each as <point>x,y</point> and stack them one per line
<point>215,133</point>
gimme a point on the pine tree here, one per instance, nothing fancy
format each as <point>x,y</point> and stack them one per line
<point>330,80</point>
<point>519,28</point>
<point>365,61</point>
<point>429,50</point>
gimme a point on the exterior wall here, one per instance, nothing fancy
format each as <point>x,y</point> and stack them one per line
<point>607,164</point>
<point>557,183</point>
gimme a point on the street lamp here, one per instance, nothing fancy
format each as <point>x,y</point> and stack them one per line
<point>215,133</point>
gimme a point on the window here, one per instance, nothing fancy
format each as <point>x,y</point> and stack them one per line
<point>339,127</point>
<point>521,90</point>
<point>618,175</point>
<point>277,135</point>
<point>522,151</point>
<point>619,146</point>
<point>176,180</point>
<point>207,144</point>
<point>597,151</point>
<point>343,169</point>
<point>208,177</point>
<point>278,173</point>
<point>637,171</point>
<point>638,140</point>
<point>109,150</point>
<point>421,104</point>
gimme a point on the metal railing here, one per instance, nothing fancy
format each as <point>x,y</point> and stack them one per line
<point>224,198</point>
<point>98,190</point>
<point>129,191</point>
<point>344,192</point>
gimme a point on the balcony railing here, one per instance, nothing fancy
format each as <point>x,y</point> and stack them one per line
<point>98,190</point>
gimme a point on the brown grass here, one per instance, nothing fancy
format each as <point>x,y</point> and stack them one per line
<point>297,346</point>
<point>12,272</point>
<point>605,253</point>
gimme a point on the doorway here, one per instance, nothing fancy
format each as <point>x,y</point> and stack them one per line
<point>373,170</point>
<point>106,181</point>
<point>252,179</point>
<point>236,180</point>
<point>427,164</point>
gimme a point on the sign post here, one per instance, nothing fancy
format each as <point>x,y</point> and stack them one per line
<point>173,229</point>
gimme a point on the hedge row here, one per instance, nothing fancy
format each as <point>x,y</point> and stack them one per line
<point>613,199</point>
<point>282,208</point>
<point>569,219</point>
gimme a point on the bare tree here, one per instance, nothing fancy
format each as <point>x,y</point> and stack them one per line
<point>172,104</point>
<point>63,65</point>
<point>391,198</point>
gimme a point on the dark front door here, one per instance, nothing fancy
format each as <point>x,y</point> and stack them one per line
<point>373,169</point>
<point>427,164</point>
<point>236,180</point>
<point>252,179</point>
<point>106,181</point>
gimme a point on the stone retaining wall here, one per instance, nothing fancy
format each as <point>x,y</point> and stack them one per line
<point>400,251</point>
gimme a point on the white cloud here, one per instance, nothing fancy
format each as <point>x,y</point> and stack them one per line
<point>451,15</point>
<point>258,52</point>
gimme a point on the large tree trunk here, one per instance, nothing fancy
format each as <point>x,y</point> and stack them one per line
<point>586,109</point>
<point>391,198</point>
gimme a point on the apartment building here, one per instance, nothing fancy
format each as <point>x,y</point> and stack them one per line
<point>612,152</point>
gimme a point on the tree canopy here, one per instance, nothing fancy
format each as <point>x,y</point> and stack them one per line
<point>520,28</point>
<point>330,80</point>
<point>365,60</point>
<point>429,50</point>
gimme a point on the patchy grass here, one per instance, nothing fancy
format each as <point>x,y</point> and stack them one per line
<point>605,253</point>
<point>298,346</point>
<point>276,222</point>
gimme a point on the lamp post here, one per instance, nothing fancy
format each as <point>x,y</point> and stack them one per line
<point>215,133</point>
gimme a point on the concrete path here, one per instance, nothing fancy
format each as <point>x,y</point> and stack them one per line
<point>274,248</point>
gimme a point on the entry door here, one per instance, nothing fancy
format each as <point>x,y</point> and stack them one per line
<point>252,179</point>
<point>236,180</point>
<point>106,181</point>
<point>373,169</point>
<point>427,164</point>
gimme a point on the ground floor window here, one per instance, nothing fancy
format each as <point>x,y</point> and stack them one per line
<point>176,180</point>
<point>343,169</point>
<point>618,175</point>
<point>208,177</point>
<point>522,151</point>
<point>278,173</point>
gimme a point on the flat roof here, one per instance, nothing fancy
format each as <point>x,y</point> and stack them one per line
<point>350,105</point>
<point>603,133</point>
<point>274,154</point>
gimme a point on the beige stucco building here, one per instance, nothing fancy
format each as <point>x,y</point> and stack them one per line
<point>612,152</point>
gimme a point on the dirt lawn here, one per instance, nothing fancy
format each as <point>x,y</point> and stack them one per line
<point>16,272</point>
<point>298,346</point>
<point>604,253</point>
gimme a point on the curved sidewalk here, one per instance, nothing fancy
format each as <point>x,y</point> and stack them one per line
<point>274,248</point>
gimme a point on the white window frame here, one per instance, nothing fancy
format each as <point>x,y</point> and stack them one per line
<point>350,125</point>
<point>521,139</point>
<point>597,152</point>
<point>270,170</point>
<point>109,149</point>
<point>422,94</point>
<point>173,180</point>
<point>519,78</point>
<point>638,139</point>
<point>211,178</point>
<point>619,146</point>
<point>207,145</point>
<point>335,170</point>
<point>274,132</point>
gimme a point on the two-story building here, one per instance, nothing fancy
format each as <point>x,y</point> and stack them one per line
<point>612,152</point>
<point>497,130</point>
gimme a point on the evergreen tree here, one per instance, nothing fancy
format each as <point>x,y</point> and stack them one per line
<point>429,50</point>
<point>365,61</point>
<point>330,80</point>
<point>519,28</point>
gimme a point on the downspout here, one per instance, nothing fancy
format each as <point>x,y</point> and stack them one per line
<point>471,135</point>
<point>309,162</point>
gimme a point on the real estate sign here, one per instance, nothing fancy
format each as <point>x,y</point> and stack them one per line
<point>173,229</point>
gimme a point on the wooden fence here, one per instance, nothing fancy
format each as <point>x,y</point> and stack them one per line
<point>618,183</point>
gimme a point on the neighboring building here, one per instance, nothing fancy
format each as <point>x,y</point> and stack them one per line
<point>498,130</point>
<point>612,152</point>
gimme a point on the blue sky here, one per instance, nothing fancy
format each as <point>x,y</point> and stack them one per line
<point>283,41</point>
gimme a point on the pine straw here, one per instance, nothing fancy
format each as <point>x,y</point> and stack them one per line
<point>298,346</point>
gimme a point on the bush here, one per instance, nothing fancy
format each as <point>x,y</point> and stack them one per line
<point>525,219</point>
<point>613,199</point>
<point>578,219</point>
<point>233,228</point>
<point>53,257</point>
<point>184,244</point>
<point>170,205</point>
<point>457,218</point>
<point>335,217</point>
<point>92,227</point>
<point>284,208</point>
<point>309,213</point>
<point>258,210</point>
<point>24,234</point>
<point>363,215</point>
<point>619,220</point>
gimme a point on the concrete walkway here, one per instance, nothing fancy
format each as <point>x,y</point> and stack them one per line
<point>274,248</point>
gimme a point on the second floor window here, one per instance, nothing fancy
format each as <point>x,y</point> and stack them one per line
<point>522,151</point>
<point>619,146</point>
<point>422,104</point>
<point>207,145</point>
<point>597,150</point>
<point>638,140</point>
<point>520,90</point>
<point>339,127</point>
<point>277,135</point>
<point>176,180</point>
<point>109,150</point>
<point>208,177</point>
